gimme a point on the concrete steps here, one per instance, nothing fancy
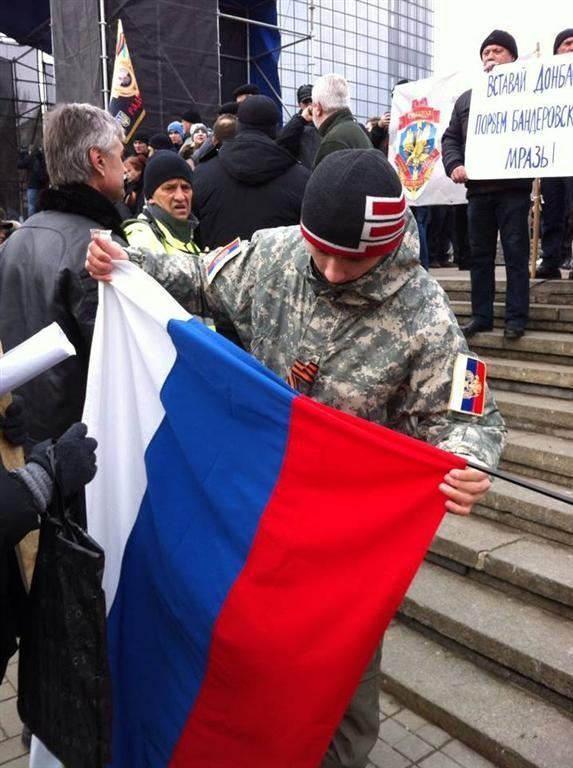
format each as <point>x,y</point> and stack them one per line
<point>537,346</point>
<point>542,317</point>
<point>457,286</point>
<point>542,414</point>
<point>537,569</point>
<point>510,726</point>
<point>541,457</point>
<point>529,512</point>
<point>538,378</point>
<point>484,643</point>
<point>523,641</point>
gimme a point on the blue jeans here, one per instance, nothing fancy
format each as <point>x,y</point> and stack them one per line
<point>422,216</point>
<point>32,200</point>
<point>507,213</point>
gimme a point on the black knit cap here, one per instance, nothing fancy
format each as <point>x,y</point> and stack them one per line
<point>141,136</point>
<point>304,93</point>
<point>228,108</point>
<point>499,37</point>
<point>191,115</point>
<point>160,141</point>
<point>162,167</point>
<point>354,205</point>
<point>248,89</point>
<point>259,113</point>
<point>561,37</point>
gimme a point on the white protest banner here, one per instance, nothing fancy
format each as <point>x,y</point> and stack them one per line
<point>521,120</point>
<point>421,112</point>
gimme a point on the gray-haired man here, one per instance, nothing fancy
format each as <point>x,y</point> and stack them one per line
<point>42,275</point>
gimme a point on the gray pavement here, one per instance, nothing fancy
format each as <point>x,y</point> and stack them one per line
<point>405,740</point>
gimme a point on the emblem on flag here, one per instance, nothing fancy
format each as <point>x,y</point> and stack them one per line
<point>417,152</point>
<point>468,386</point>
<point>125,103</point>
<point>221,257</point>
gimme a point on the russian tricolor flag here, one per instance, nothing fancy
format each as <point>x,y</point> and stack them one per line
<point>257,542</point>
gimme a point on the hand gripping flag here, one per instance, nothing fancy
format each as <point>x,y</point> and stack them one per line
<point>257,542</point>
<point>125,103</point>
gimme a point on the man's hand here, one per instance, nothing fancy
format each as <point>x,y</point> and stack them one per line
<point>459,175</point>
<point>464,488</point>
<point>99,259</point>
<point>306,113</point>
<point>384,121</point>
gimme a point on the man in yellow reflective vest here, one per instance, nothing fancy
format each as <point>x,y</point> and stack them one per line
<point>166,223</point>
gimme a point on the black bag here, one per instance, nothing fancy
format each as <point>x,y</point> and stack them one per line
<point>63,678</point>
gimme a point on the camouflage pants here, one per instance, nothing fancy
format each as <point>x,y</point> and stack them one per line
<point>358,731</point>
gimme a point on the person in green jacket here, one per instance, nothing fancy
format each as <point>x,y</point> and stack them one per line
<point>335,122</point>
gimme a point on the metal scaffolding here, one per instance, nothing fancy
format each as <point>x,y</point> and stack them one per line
<point>27,90</point>
<point>251,62</point>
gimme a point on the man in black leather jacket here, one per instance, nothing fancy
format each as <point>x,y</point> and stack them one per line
<point>42,275</point>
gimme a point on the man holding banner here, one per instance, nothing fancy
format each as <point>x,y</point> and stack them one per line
<point>494,205</point>
<point>342,309</point>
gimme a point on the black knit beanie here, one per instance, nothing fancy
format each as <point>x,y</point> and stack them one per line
<point>499,37</point>
<point>160,141</point>
<point>191,115</point>
<point>561,37</point>
<point>162,167</point>
<point>247,89</point>
<point>260,113</point>
<point>354,205</point>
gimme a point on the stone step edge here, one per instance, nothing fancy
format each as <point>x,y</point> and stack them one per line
<point>458,618</point>
<point>519,577</point>
<point>407,654</point>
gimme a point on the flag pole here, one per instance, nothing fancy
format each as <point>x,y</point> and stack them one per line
<point>537,200</point>
<point>523,483</point>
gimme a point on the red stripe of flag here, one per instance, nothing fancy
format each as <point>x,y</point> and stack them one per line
<point>337,546</point>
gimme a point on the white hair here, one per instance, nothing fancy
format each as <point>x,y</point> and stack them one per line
<point>331,92</point>
<point>71,131</point>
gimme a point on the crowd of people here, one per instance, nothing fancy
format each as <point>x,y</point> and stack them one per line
<point>326,271</point>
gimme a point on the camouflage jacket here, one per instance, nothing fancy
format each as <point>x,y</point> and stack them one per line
<point>382,347</point>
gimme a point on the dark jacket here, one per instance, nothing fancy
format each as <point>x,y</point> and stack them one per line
<point>18,515</point>
<point>42,280</point>
<point>454,147</point>
<point>341,131</point>
<point>301,139</point>
<point>379,138</point>
<point>35,164</point>
<point>251,184</point>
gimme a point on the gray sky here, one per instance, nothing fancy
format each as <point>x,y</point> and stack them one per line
<point>461,25</point>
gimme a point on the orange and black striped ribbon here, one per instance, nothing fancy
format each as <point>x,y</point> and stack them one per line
<point>301,374</point>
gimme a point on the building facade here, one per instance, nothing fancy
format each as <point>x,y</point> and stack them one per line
<point>373,43</point>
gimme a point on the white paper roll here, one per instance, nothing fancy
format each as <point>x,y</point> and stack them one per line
<point>41,351</point>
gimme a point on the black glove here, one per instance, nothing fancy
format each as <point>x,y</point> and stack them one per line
<point>14,423</point>
<point>75,458</point>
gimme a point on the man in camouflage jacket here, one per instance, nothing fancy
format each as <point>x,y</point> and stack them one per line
<point>358,325</point>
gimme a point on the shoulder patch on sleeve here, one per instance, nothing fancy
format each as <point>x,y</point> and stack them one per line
<point>221,257</point>
<point>468,386</point>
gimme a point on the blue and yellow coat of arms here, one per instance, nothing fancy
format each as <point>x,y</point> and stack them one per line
<point>417,152</point>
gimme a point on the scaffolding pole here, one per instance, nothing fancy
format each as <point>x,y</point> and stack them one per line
<point>103,57</point>
<point>308,35</point>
